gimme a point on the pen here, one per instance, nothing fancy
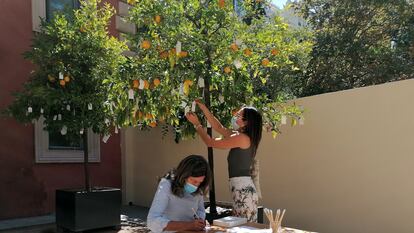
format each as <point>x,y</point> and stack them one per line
<point>195,214</point>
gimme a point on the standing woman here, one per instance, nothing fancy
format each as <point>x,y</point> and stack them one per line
<point>242,140</point>
<point>178,204</point>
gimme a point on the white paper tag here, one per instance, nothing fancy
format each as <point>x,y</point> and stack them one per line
<point>221,98</point>
<point>59,117</point>
<point>116,129</point>
<point>68,107</point>
<point>41,110</point>
<point>301,120</point>
<point>284,120</point>
<point>29,109</point>
<point>237,64</point>
<point>60,75</point>
<point>200,82</point>
<point>208,125</point>
<point>64,130</point>
<point>178,47</point>
<point>54,117</point>
<point>183,104</point>
<point>105,138</point>
<point>193,106</point>
<point>141,84</point>
<point>181,89</point>
<point>186,110</point>
<point>81,131</point>
<point>130,94</point>
<point>90,106</point>
<point>107,122</point>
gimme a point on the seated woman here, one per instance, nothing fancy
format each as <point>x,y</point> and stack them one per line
<point>178,204</point>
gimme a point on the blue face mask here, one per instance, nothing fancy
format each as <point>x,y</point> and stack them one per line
<point>189,188</point>
<point>234,123</point>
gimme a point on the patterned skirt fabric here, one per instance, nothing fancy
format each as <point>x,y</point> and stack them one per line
<point>245,198</point>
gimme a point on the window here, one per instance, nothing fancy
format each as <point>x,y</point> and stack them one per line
<point>45,9</point>
<point>60,6</point>
<point>53,147</point>
<point>57,141</point>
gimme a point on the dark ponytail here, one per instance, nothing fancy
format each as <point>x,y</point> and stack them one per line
<point>253,127</point>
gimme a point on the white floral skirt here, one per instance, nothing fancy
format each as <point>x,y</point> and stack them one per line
<point>245,198</point>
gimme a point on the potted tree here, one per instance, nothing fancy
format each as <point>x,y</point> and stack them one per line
<point>75,60</point>
<point>189,49</point>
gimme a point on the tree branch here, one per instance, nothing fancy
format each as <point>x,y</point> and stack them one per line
<point>220,26</point>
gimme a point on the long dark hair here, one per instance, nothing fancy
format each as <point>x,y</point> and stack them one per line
<point>253,127</point>
<point>192,165</point>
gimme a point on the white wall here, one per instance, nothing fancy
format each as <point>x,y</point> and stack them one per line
<point>348,169</point>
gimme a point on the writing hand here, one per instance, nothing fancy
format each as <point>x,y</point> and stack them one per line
<point>198,224</point>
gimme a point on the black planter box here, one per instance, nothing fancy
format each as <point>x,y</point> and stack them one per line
<point>77,210</point>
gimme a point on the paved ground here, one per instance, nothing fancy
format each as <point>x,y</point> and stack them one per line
<point>133,222</point>
<point>51,228</point>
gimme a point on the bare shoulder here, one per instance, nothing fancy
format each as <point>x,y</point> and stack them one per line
<point>242,138</point>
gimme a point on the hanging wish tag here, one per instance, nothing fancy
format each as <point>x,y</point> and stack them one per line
<point>301,120</point>
<point>238,42</point>
<point>193,106</point>
<point>29,109</point>
<point>105,138</point>
<point>178,47</point>
<point>221,99</point>
<point>68,107</point>
<point>284,120</point>
<point>137,102</point>
<point>90,106</point>
<point>200,82</point>
<point>81,131</point>
<point>141,84</point>
<point>183,104</point>
<point>237,64</point>
<point>130,94</point>
<point>54,117</point>
<point>64,130</point>
<point>116,129</point>
<point>60,76</point>
<point>186,110</point>
<point>41,110</point>
<point>181,89</point>
<point>59,117</point>
<point>208,125</point>
<point>107,122</point>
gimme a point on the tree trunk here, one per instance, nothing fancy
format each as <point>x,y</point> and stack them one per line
<point>86,160</point>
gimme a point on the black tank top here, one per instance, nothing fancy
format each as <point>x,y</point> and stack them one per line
<point>239,161</point>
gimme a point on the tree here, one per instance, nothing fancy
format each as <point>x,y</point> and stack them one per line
<point>72,55</point>
<point>188,49</point>
<point>358,43</point>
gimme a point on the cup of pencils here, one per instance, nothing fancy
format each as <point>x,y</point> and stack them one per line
<point>275,222</point>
